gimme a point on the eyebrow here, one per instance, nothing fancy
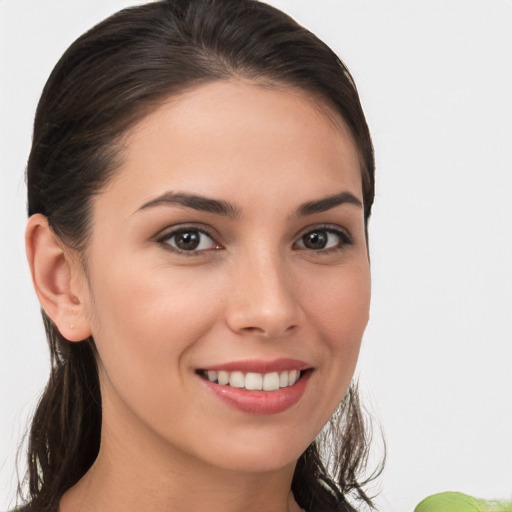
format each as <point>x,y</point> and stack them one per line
<point>196,202</point>
<point>325,204</point>
<point>224,208</point>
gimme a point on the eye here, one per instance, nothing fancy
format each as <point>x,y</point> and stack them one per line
<point>190,240</point>
<point>324,239</point>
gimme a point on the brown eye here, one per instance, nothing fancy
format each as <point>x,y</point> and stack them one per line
<point>315,240</point>
<point>189,240</point>
<point>324,239</point>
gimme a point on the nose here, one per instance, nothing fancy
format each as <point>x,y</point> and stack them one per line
<point>264,300</point>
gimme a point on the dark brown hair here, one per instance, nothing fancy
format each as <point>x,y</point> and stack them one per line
<point>108,80</point>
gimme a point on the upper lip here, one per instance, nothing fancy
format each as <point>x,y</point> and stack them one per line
<point>260,365</point>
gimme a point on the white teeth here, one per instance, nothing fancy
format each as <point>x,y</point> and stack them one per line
<point>236,380</point>
<point>271,381</point>
<point>223,378</point>
<point>254,381</point>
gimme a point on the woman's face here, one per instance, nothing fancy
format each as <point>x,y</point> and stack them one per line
<point>230,246</point>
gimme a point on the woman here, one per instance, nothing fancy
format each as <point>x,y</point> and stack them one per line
<point>199,185</point>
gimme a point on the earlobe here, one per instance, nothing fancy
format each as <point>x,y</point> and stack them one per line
<point>54,275</point>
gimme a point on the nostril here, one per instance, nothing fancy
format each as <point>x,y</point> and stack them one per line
<point>267,332</point>
<point>253,329</point>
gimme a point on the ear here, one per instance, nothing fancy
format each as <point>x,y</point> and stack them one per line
<point>58,279</point>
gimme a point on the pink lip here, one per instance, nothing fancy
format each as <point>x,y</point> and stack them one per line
<point>261,366</point>
<point>260,402</point>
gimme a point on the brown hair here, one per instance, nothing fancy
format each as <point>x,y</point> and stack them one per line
<point>108,80</point>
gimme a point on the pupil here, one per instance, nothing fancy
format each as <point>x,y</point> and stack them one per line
<point>315,240</point>
<point>188,240</point>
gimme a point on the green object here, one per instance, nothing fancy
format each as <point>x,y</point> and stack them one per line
<point>459,502</point>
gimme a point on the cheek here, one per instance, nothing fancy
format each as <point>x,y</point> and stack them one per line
<point>340,308</point>
<point>149,319</point>
<point>339,311</point>
<point>148,326</point>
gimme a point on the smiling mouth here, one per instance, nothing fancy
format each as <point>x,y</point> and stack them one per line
<point>272,381</point>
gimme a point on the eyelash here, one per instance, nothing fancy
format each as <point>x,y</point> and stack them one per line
<point>345,239</point>
<point>165,237</point>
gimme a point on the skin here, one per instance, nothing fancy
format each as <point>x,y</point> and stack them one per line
<point>252,290</point>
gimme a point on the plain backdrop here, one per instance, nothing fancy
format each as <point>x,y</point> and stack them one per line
<point>435,79</point>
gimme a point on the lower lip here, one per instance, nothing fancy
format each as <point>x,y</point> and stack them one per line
<point>260,402</point>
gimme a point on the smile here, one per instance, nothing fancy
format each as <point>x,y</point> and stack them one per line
<point>258,387</point>
<point>272,381</point>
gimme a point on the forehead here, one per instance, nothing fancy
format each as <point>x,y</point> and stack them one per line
<point>234,136</point>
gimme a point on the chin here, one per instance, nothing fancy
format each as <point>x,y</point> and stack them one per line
<point>260,459</point>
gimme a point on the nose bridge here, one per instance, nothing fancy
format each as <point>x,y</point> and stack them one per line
<point>263,295</point>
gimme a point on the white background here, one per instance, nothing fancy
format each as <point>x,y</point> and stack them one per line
<point>435,78</point>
